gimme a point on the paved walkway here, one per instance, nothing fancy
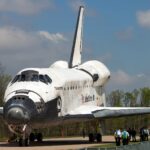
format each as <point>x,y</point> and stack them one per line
<point>57,144</point>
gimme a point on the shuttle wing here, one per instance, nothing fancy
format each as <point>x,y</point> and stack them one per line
<point>1,111</point>
<point>107,112</point>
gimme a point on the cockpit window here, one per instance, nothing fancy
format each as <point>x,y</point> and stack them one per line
<point>23,78</point>
<point>15,79</point>
<point>32,76</point>
<point>29,75</point>
<point>42,78</point>
<point>48,79</point>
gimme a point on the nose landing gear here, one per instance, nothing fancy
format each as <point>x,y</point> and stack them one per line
<point>23,131</point>
<point>24,137</point>
<point>23,141</point>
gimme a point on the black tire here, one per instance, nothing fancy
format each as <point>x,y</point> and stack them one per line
<point>39,137</point>
<point>99,137</point>
<point>20,142</point>
<point>26,142</point>
<point>32,137</point>
<point>91,137</point>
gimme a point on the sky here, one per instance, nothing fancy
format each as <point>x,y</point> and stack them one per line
<point>36,33</point>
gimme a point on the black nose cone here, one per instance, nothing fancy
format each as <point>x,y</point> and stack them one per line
<point>20,110</point>
<point>17,115</point>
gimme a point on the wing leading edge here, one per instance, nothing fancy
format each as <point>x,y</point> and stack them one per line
<point>108,112</point>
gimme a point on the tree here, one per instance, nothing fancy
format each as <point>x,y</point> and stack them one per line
<point>127,99</point>
<point>145,96</point>
<point>4,79</point>
<point>115,98</point>
<point>137,96</point>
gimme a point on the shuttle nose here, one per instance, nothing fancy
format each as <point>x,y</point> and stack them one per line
<point>17,115</point>
<point>20,110</point>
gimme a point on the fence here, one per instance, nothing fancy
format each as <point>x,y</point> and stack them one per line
<point>139,146</point>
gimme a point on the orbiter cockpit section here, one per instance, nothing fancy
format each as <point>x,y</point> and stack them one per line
<point>32,76</point>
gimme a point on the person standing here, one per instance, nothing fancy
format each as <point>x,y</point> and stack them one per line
<point>142,134</point>
<point>125,137</point>
<point>118,137</point>
<point>133,135</point>
<point>130,134</point>
<point>146,133</point>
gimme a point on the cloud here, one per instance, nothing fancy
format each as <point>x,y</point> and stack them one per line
<point>12,37</point>
<point>26,7</point>
<point>126,34</point>
<point>52,37</point>
<point>126,82</point>
<point>106,57</point>
<point>121,78</point>
<point>141,75</point>
<point>20,48</point>
<point>143,18</point>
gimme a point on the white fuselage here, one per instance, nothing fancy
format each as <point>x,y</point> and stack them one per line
<point>70,88</point>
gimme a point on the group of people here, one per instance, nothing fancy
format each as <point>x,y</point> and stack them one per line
<point>144,133</point>
<point>130,135</point>
<point>121,135</point>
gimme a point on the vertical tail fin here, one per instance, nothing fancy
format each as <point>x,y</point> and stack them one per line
<point>75,58</point>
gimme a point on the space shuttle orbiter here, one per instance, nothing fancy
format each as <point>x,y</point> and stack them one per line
<point>63,93</point>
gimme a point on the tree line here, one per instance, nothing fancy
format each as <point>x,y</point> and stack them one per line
<point>4,79</point>
<point>136,98</point>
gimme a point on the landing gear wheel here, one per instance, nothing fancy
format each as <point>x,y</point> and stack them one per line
<point>26,142</point>
<point>32,137</point>
<point>20,142</point>
<point>39,137</point>
<point>98,137</point>
<point>91,137</point>
<point>23,142</point>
